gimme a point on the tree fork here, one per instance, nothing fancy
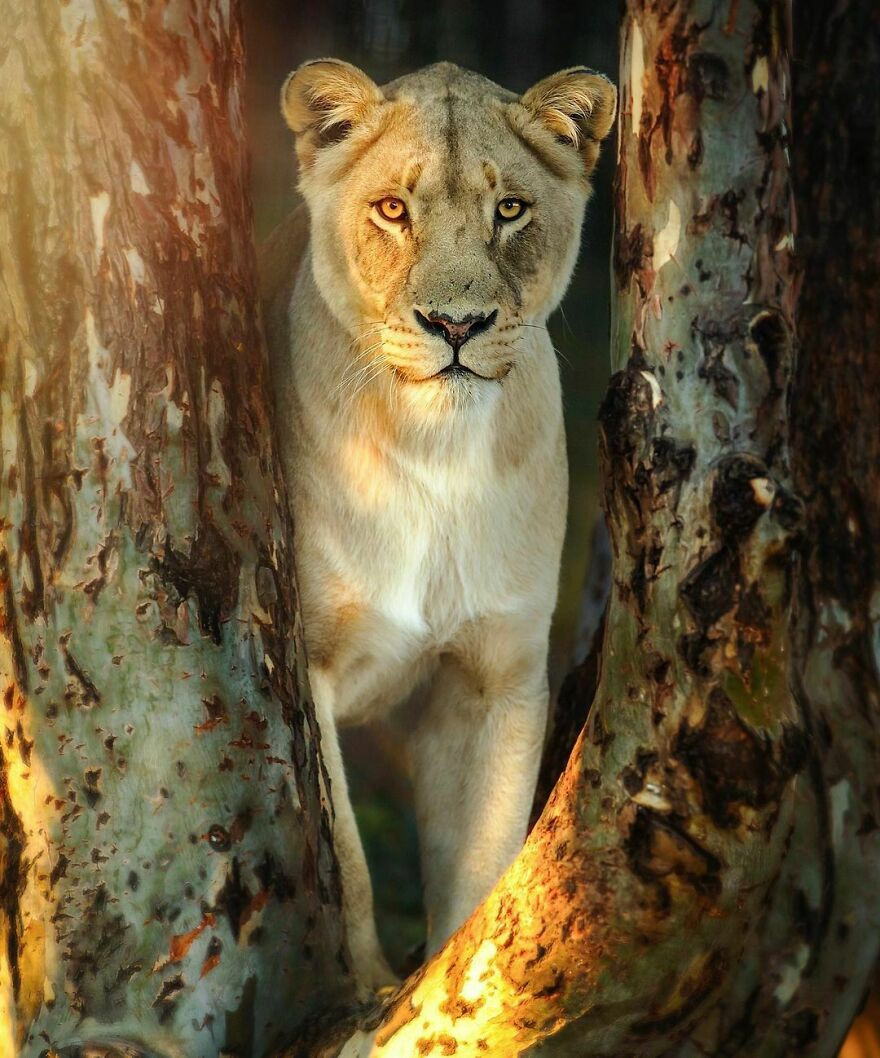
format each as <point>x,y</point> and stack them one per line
<point>167,879</point>
<point>618,927</point>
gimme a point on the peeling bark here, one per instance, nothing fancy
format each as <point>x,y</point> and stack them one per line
<point>807,963</point>
<point>818,936</point>
<point>167,877</point>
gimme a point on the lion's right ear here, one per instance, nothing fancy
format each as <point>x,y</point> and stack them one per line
<point>578,107</point>
<point>322,101</point>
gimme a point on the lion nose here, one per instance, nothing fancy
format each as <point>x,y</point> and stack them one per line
<point>455,332</point>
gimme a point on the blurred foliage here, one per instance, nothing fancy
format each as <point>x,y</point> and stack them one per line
<point>515,43</point>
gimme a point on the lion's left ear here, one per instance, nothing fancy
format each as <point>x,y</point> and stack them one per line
<point>578,106</point>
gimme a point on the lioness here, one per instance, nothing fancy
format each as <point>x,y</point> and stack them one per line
<point>420,421</point>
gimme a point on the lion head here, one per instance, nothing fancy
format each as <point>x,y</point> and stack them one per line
<point>445,212</point>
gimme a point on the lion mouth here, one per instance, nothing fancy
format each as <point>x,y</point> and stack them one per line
<point>453,372</point>
<point>457,370</point>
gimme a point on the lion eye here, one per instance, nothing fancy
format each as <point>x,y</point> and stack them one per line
<point>510,209</point>
<point>392,209</point>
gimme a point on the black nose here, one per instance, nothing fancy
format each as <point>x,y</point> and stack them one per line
<point>455,332</point>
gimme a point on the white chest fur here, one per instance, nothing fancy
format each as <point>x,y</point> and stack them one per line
<point>424,544</point>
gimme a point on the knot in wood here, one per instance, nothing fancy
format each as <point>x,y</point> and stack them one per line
<point>627,414</point>
<point>219,838</point>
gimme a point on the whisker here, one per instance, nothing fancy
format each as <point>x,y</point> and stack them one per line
<point>393,383</point>
<point>402,345</point>
<point>357,364</point>
<point>565,321</point>
<point>379,366</point>
<point>357,369</point>
<point>366,334</point>
<point>562,356</point>
<point>352,377</point>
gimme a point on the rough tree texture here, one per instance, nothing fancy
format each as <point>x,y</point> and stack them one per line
<point>816,938</point>
<point>808,961</point>
<point>166,874</point>
<point>820,934</point>
<point>618,928</point>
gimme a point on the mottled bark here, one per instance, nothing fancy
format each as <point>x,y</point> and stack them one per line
<point>166,873</point>
<point>807,963</point>
<point>617,929</point>
<point>807,971</point>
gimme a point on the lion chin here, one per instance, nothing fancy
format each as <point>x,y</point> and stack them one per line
<point>450,396</point>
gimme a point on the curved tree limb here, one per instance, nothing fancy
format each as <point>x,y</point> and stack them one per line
<point>620,923</point>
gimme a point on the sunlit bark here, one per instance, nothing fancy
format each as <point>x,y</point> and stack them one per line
<point>806,965</point>
<point>863,1040</point>
<point>166,873</point>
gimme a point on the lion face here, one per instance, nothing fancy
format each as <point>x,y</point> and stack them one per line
<point>445,214</point>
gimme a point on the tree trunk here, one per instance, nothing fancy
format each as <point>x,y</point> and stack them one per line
<point>808,960</point>
<point>167,879</point>
<point>809,981</point>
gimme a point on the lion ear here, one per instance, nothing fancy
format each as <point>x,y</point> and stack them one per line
<point>322,101</point>
<point>578,106</point>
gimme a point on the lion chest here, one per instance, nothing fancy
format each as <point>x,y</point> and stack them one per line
<point>440,550</point>
<point>442,542</point>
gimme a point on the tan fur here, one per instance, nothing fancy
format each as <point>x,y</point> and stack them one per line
<point>429,511</point>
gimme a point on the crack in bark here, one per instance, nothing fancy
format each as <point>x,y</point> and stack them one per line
<point>9,628</point>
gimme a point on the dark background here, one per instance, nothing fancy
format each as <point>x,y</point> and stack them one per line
<point>514,43</point>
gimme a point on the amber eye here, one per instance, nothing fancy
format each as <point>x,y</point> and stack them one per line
<point>392,209</point>
<point>510,208</point>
